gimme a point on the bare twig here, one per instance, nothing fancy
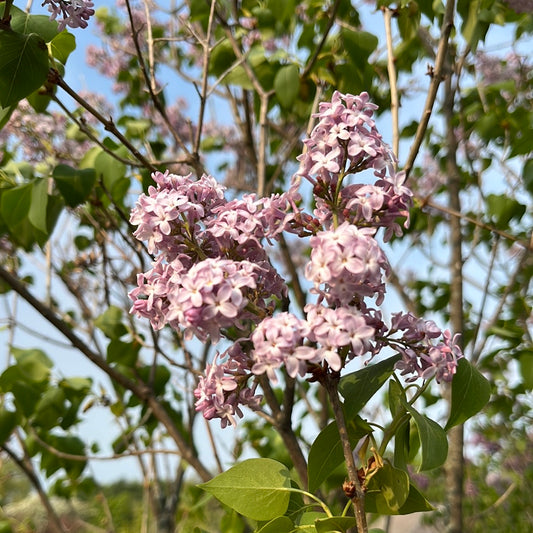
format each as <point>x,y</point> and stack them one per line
<point>55,78</point>
<point>318,49</point>
<point>205,70</point>
<point>154,96</point>
<point>391,69</point>
<point>528,245</point>
<point>139,389</point>
<point>436,78</point>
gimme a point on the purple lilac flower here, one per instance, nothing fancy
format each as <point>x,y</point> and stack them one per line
<point>331,329</point>
<point>431,360</point>
<point>346,141</point>
<point>73,13</point>
<point>211,270</point>
<point>223,388</point>
<point>347,265</point>
<point>520,6</point>
<point>278,341</point>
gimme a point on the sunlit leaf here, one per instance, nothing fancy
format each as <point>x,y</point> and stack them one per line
<point>387,490</point>
<point>256,488</point>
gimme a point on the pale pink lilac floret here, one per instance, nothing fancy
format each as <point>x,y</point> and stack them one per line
<point>346,141</point>
<point>211,272</point>
<point>224,389</point>
<point>72,13</point>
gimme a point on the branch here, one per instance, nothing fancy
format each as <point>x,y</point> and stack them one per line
<point>282,423</point>
<point>387,14</point>
<point>26,466</point>
<point>203,94</point>
<point>358,499</point>
<point>436,78</point>
<point>528,245</point>
<point>141,390</point>
<point>192,161</point>
<point>55,78</point>
<point>318,49</point>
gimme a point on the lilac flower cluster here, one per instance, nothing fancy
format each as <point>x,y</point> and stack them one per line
<point>348,263</point>
<point>346,141</point>
<point>422,356</point>
<point>211,271</point>
<point>74,13</point>
<point>223,389</point>
<point>44,137</point>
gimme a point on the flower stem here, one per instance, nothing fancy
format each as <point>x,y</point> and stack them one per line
<point>331,383</point>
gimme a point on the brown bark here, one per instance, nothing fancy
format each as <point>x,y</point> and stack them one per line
<point>455,463</point>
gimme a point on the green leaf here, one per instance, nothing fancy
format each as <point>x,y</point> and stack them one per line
<point>39,100</point>
<point>26,23</point>
<point>34,364</point>
<point>287,85</point>
<point>110,322</point>
<point>111,171</point>
<point>74,185</point>
<point>502,209</point>
<point>281,524</point>
<point>525,359</point>
<point>5,114</point>
<point>124,353</point>
<point>326,453</point>
<point>50,408</point>
<point>387,490</point>
<point>396,394</point>
<point>358,387</point>
<point>527,174</point>
<point>15,205</point>
<point>401,445</point>
<point>359,45</point>
<point>415,503</point>
<point>77,384</point>
<point>433,441</point>
<point>39,203</point>
<point>470,393</point>
<point>62,45</point>
<point>335,523</point>
<point>255,488</point>
<point>8,422</point>
<point>23,65</point>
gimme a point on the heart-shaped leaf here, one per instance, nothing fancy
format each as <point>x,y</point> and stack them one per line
<point>23,65</point>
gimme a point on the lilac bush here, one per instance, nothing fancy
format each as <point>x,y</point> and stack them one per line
<point>212,277</point>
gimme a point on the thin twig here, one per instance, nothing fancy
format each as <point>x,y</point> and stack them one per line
<point>318,49</point>
<point>55,78</point>
<point>391,69</point>
<point>454,213</point>
<point>436,78</point>
<point>205,71</point>
<point>330,383</point>
<point>154,96</point>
